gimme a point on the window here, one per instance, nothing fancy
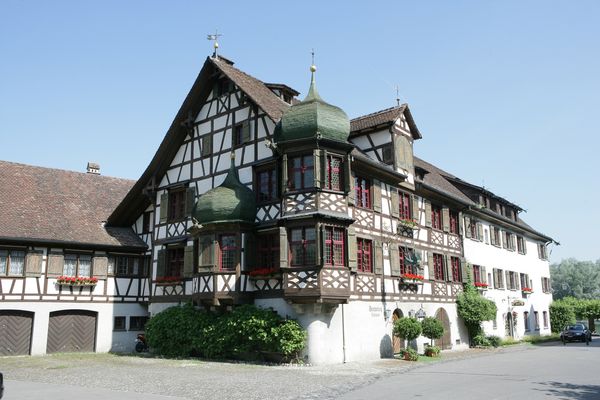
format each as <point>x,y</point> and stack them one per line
<point>387,154</point>
<point>512,280</point>
<point>546,288</point>
<point>334,246</point>
<point>436,217</point>
<point>542,251</point>
<point>498,278</point>
<point>137,323</point>
<point>364,250</point>
<point>536,316</point>
<point>266,185</point>
<point>456,269</point>
<point>174,265</point>
<point>404,206</point>
<point>303,246</point>
<point>524,280</point>
<point>333,169</point>
<point>453,223</point>
<point>119,324</point>
<point>77,265</point>
<point>438,267</point>
<point>521,245</point>
<point>509,241</point>
<point>362,186</point>
<point>526,321</point>
<point>176,204</point>
<point>12,263</point>
<point>545,316</point>
<point>495,323</point>
<point>229,252</point>
<point>302,172</point>
<point>206,145</point>
<point>146,222</point>
<point>477,274</point>
<point>222,87</point>
<point>241,134</point>
<point>407,261</point>
<point>131,265</point>
<point>495,235</point>
<point>268,251</point>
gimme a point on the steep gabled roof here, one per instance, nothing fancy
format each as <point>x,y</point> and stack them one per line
<point>46,205</point>
<point>383,119</point>
<point>135,201</point>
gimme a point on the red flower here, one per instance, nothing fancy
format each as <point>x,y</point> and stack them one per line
<point>480,284</point>
<point>413,276</point>
<point>263,271</point>
<point>526,289</point>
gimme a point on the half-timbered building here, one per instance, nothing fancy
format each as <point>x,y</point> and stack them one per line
<point>256,197</point>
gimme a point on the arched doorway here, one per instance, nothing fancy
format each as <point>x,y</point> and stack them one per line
<point>444,342</point>
<point>397,343</point>
<point>509,324</point>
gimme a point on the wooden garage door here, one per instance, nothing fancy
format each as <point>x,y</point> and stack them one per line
<point>15,332</point>
<point>71,331</point>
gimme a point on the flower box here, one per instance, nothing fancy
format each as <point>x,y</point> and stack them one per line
<point>76,281</point>
<point>481,285</point>
<point>408,223</point>
<point>526,290</point>
<point>412,279</point>
<point>265,273</point>
<point>168,281</point>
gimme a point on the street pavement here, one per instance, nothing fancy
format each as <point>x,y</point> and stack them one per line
<point>549,371</point>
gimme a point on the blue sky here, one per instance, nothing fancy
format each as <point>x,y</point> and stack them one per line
<point>506,94</point>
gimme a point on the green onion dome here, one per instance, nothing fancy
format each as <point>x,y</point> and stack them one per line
<point>232,201</point>
<point>313,118</point>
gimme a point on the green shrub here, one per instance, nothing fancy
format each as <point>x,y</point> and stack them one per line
<point>289,337</point>
<point>509,341</point>
<point>432,328</point>
<point>474,309</point>
<point>481,340</point>
<point>407,328</point>
<point>409,354</point>
<point>495,341</point>
<point>562,313</point>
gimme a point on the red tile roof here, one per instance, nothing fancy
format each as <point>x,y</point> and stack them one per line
<point>50,205</point>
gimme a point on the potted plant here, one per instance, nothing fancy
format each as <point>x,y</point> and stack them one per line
<point>408,223</point>
<point>408,329</point>
<point>526,290</point>
<point>432,329</point>
<point>265,273</point>
<point>410,278</point>
<point>432,351</point>
<point>77,280</point>
<point>481,286</point>
<point>168,280</point>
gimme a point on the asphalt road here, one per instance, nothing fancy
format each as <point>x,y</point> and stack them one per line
<point>550,371</point>
<point>517,372</point>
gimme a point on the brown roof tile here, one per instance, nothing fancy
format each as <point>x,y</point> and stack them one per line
<point>387,116</point>
<point>45,204</point>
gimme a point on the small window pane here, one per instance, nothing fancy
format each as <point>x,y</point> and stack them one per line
<point>119,324</point>
<point>85,265</point>
<point>70,266</point>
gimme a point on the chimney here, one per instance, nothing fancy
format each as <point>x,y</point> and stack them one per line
<point>93,168</point>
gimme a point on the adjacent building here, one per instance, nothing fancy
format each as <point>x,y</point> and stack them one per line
<point>256,197</point>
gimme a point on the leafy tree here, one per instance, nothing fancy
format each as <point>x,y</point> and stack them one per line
<point>474,309</point>
<point>561,314</point>
<point>432,328</point>
<point>580,279</point>
<point>407,328</point>
<point>588,309</point>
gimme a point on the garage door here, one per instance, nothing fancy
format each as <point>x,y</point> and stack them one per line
<point>71,331</point>
<point>15,332</point>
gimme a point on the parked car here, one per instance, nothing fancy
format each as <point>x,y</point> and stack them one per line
<point>576,332</point>
<point>1,385</point>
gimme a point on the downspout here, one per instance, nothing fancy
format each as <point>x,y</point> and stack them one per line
<point>343,335</point>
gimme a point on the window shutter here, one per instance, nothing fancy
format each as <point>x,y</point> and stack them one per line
<point>55,265</point>
<point>283,248</point>
<point>238,253</point>
<point>430,265</point>
<point>161,263</point>
<point>524,245</point>
<point>395,206</point>
<point>466,271</point>
<point>448,267</point>
<point>249,252</point>
<point>190,199</point>
<point>352,256</point>
<point>415,207</point>
<point>507,278</point>
<point>317,168</point>
<point>349,181</point>
<point>446,219</point>
<point>100,267</point>
<point>483,275</point>
<point>376,195</point>
<point>479,231</point>
<point>467,226</point>
<point>321,245</point>
<point>188,262</point>
<point>427,213</point>
<point>504,240</point>
<point>495,277</point>
<point>33,264</point>
<point>378,249</point>
<point>284,173</point>
<point>164,207</point>
<point>394,260</point>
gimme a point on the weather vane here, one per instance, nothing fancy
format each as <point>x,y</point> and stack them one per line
<point>313,67</point>
<point>215,38</point>
<point>397,96</point>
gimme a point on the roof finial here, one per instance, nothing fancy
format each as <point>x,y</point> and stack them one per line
<point>214,37</point>
<point>397,96</point>
<point>312,91</point>
<point>232,155</point>
<point>313,67</point>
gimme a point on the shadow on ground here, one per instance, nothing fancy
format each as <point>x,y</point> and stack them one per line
<point>562,390</point>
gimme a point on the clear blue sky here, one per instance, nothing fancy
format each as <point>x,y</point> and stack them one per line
<point>506,94</point>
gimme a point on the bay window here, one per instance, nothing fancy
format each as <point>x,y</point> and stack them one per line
<point>302,172</point>
<point>303,246</point>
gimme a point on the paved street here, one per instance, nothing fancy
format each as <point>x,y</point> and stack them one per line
<point>517,372</point>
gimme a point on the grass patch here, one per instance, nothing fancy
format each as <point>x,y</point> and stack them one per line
<point>541,339</point>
